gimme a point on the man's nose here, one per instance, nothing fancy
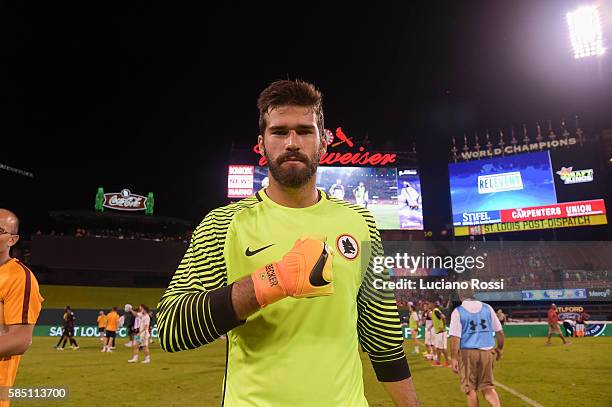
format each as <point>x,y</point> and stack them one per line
<point>291,142</point>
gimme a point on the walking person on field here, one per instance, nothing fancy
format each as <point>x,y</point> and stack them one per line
<point>553,325</point>
<point>472,327</point>
<point>141,339</point>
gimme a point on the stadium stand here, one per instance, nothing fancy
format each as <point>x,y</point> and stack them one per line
<point>107,249</point>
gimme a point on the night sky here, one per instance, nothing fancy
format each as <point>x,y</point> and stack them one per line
<point>151,98</point>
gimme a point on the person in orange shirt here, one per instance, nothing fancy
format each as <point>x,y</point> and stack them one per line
<point>112,322</point>
<point>20,303</point>
<point>102,320</point>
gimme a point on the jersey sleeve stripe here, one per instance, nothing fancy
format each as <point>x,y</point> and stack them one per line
<point>196,308</point>
<point>25,309</point>
<point>378,323</point>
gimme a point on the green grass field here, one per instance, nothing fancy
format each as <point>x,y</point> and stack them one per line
<point>579,374</point>
<point>386,216</point>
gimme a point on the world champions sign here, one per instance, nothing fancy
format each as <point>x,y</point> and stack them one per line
<point>495,145</point>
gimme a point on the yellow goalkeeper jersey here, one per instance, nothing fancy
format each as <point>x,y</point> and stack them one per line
<point>296,352</point>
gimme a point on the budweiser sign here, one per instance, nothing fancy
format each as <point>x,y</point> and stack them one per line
<point>359,157</point>
<point>125,201</point>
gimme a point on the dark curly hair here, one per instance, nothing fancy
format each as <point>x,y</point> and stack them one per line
<point>286,93</point>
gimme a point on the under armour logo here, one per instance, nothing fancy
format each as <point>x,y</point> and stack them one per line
<point>483,324</point>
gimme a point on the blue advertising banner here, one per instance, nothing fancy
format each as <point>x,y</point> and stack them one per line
<point>476,218</point>
<point>599,294</point>
<point>499,296</point>
<point>555,294</point>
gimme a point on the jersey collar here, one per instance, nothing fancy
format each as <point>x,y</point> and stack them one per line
<point>6,263</point>
<point>263,197</point>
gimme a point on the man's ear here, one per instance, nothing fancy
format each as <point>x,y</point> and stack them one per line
<point>14,239</point>
<point>260,144</point>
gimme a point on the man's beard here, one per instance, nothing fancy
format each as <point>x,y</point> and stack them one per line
<point>293,177</point>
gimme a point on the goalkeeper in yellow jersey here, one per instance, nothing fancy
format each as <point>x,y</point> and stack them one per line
<point>287,276</point>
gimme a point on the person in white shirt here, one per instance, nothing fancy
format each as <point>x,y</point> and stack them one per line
<point>570,327</point>
<point>337,190</point>
<point>141,339</point>
<point>409,196</point>
<point>413,324</point>
<point>474,331</point>
<point>429,332</point>
<point>361,195</point>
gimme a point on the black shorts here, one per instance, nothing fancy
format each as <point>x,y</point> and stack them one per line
<point>101,330</point>
<point>68,332</point>
<point>111,334</point>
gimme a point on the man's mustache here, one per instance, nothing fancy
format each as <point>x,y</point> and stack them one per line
<point>292,157</point>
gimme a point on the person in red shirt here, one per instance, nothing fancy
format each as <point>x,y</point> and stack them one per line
<point>580,322</point>
<point>553,324</point>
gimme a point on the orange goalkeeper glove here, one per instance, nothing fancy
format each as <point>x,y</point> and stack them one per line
<point>305,271</point>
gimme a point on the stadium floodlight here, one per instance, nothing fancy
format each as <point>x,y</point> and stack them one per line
<point>585,32</point>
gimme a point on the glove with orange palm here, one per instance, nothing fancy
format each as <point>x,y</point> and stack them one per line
<point>305,271</point>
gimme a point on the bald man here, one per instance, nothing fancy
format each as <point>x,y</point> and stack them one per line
<point>20,301</point>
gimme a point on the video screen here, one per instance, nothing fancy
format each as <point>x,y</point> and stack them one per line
<point>409,197</point>
<point>481,188</point>
<point>393,195</point>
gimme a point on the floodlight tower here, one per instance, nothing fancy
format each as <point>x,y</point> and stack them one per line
<point>586,32</point>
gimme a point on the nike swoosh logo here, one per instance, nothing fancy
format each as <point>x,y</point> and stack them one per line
<point>250,253</point>
<point>316,275</point>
